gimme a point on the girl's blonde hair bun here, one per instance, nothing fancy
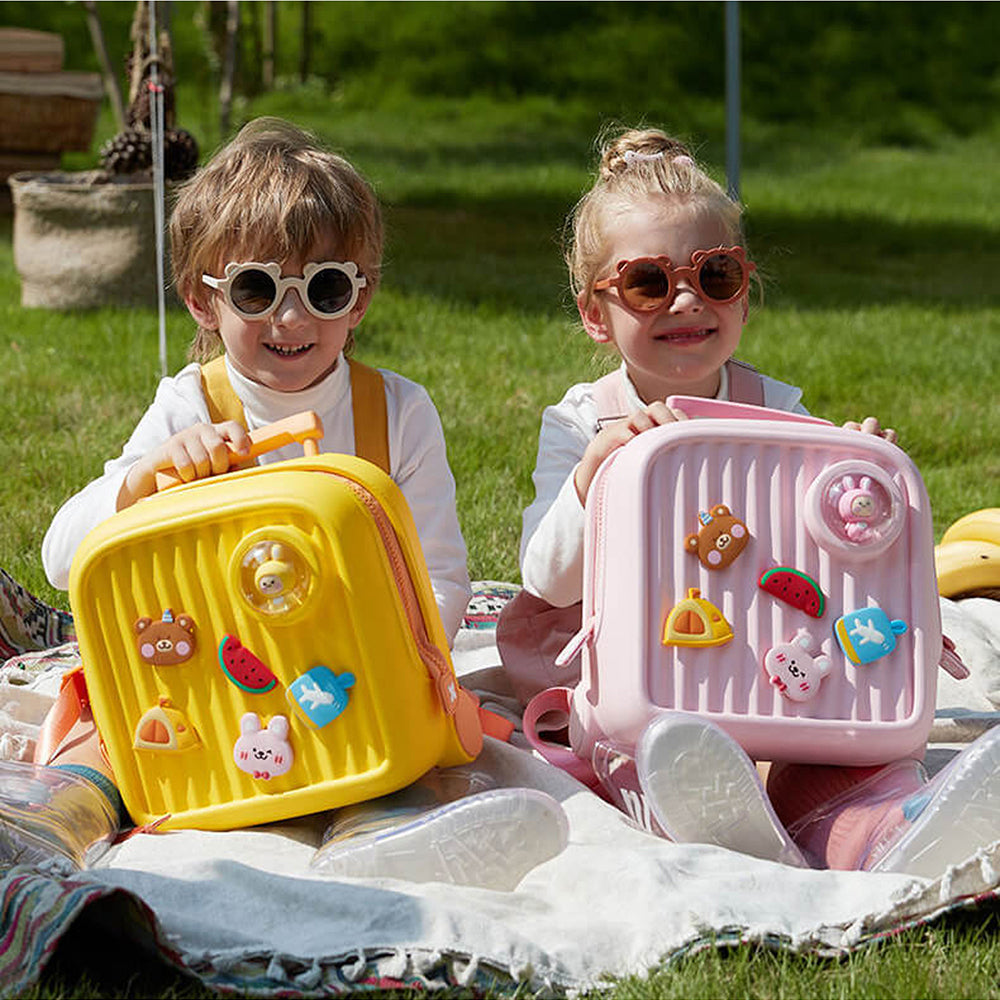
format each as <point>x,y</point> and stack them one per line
<point>635,166</point>
<point>638,147</point>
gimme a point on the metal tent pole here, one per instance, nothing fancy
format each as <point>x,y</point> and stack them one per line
<point>733,97</point>
<point>156,121</point>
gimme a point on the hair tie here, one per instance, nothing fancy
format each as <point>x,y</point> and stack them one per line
<point>632,157</point>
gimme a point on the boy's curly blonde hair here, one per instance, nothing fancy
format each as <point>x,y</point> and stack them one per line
<point>637,165</point>
<point>272,193</point>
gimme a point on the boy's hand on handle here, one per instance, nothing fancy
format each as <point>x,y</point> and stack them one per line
<point>614,436</point>
<point>194,453</point>
<point>870,425</point>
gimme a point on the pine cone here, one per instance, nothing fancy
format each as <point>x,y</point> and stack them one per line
<point>180,154</point>
<point>139,113</point>
<point>127,152</point>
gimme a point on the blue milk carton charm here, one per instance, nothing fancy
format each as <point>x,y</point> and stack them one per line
<point>867,634</point>
<point>320,694</point>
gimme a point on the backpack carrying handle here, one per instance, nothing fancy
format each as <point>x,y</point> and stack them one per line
<point>701,406</point>
<point>304,428</point>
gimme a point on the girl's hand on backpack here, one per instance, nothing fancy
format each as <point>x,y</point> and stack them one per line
<point>870,425</point>
<point>614,436</point>
<point>193,453</point>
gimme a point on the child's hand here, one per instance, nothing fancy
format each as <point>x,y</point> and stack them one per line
<point>194,453</point>
<point>870,425</point>
<point>614,436</point>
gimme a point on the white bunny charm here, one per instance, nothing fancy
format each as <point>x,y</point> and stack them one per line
<point>264,753</point>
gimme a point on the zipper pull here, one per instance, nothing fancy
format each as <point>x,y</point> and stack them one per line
<point>569,651</point>
<point>447,688</point>
<point>444,680</point>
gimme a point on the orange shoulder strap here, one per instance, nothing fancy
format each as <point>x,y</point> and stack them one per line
<point>371,420</point>
<point>70,705</point>
<point>223,403</point>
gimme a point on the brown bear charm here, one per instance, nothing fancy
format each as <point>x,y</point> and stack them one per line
<point>166,642</point>
<point>720,539</point>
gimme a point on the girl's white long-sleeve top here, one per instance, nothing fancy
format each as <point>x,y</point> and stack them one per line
<point>552,529</point>
<point>417,458</point>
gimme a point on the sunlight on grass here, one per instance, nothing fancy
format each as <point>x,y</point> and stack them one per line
<point>879,299</point>
<point>956,960</point>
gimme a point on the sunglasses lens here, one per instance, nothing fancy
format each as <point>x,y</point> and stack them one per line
<point>252,291</point>
<point>330,290</point>
<point>721,277</point>
<point>644,285</point>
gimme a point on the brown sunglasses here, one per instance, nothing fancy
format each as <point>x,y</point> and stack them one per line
<point>719,276</point>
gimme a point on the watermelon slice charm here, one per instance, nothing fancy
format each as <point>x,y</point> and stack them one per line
<point>243,668</point>
<point>795,588</point>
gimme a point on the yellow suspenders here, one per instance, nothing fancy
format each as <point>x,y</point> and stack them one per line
<point>371,421</point>
<point>223,403</point>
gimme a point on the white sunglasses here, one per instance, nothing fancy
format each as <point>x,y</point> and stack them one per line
<point>253,291</point>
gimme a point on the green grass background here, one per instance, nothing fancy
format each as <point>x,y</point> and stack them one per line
<point>870,180</point>
<point>879,269</point>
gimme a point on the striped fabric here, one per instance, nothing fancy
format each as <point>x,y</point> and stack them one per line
<point>26,623</point>
<point>36,910</point>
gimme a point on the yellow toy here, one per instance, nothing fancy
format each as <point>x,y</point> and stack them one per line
<point>695,621</point>
<point>266,643</point>
<point>968,559</point>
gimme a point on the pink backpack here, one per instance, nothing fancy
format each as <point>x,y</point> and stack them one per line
<point>766,570</point>
<point>531,632</point>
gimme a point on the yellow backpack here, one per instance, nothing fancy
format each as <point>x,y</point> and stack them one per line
<point>266,643</point>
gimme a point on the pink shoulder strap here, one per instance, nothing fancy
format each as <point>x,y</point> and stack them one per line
<point>745,386</point>
<point>556,702</point>
<point>745,383</point>
<point>609,396</point>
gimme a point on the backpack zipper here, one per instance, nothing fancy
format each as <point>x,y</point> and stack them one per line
<point>598,559</point>
<point>586,633</point>
<point>437,665</point>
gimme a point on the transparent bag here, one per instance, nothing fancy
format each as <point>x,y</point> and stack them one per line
<point>51,817</point>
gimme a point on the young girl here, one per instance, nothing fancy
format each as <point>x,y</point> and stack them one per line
<point>661,275</point>
<point>276,251</point>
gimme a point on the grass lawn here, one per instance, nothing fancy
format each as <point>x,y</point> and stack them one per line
<point>879,298</point>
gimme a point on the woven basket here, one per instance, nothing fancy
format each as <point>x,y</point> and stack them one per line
<point>48,112</point>
<point>82,240</point>
<point>24,50</point>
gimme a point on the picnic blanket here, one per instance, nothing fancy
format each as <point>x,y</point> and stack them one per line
<point>242,911</point>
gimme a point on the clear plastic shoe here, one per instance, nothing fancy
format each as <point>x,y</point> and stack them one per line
<point>948,820</point>
<point>52,818</point>
<point>703,789</point>
<point>445,828</point>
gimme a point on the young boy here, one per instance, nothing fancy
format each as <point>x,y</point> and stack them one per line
<point>276,250</point>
